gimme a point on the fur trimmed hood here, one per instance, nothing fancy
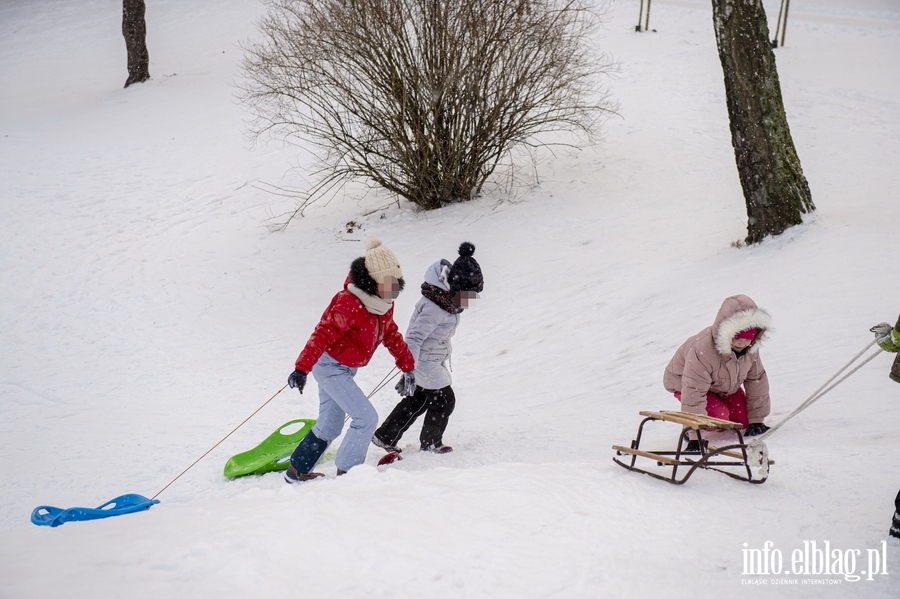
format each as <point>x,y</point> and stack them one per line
<point>705,363</point>
<point>737,314</point>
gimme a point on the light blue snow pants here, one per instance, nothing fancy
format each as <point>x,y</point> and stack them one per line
<point>338,396</point>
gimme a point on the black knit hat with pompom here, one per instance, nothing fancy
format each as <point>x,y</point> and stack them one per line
<point>465,274</point>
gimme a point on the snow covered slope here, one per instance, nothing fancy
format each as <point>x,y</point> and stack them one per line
<point>146,310</point>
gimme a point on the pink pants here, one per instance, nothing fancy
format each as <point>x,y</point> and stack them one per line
<point>733,407</point>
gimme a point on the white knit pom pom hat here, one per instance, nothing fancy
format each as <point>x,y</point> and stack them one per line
<point>381,261</point>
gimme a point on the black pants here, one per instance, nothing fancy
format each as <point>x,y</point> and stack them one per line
<point>436,404</point>
<point>895,521</point>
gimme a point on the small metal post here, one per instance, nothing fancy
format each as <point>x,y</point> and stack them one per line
<point>647,22</point>
<point>778,25</point>
<point>640,17</point>
<point>787,6</point>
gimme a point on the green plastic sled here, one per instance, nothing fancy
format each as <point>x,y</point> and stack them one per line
<point>272,454</point>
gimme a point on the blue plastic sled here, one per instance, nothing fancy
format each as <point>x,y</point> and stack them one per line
<point>46,515</point>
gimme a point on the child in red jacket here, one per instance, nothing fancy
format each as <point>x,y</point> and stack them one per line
<point>357,320</point>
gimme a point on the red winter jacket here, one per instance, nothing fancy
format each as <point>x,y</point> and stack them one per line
<point>351,334</point>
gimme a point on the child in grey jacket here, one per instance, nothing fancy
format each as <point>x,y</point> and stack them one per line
<point>448,289</point>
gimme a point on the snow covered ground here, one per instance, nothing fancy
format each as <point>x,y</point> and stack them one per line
<point>146,310</point>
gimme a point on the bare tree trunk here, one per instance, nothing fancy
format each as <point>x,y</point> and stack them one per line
<point>135,31</point>
<point>775,190</point>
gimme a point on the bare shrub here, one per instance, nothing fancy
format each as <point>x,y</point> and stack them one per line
<point>423,97</point>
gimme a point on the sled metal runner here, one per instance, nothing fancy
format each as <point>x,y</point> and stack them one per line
<point>733,460</point>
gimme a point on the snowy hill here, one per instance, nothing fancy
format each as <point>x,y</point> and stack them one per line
<point>146,311</point>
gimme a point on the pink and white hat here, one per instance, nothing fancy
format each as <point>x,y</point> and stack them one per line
<point>749,334</point>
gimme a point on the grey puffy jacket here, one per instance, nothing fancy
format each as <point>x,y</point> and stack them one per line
<point>429,332</point>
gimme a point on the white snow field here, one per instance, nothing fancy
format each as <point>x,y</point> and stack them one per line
<point>146,310</point>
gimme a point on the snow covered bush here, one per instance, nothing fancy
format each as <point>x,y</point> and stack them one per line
<point>424,98</point>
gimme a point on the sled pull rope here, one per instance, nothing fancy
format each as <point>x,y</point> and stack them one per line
<point>822,390</point>
<point>387,379</point>
<point>377,388</point>
<point>220,441</point>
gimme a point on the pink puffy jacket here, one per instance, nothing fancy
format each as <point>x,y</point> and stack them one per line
<point>705,362</point>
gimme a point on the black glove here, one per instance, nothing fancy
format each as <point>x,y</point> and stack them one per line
<point>757,428</point>
<point>297,380</point>
<point>406,386</point>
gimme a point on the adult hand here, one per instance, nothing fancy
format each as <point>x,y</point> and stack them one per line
<point>297,380</point>
<point>757,428</point>
<point>406,386</point>
<point>887,337</point>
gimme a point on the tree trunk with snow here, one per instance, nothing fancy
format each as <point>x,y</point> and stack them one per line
<point>135,31</point>
<point>775,190</point>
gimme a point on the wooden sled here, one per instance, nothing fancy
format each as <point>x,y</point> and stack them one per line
<point>737,460</point>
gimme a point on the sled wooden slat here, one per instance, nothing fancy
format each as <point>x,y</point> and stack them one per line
<point>692,420</point>
<point>706,421</point>
<point>646,454</point>
<point>678,417</point>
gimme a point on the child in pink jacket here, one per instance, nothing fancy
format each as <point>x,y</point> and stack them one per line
<point>718,372</point>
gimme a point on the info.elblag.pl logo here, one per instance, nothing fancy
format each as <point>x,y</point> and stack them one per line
<point>813,560</point>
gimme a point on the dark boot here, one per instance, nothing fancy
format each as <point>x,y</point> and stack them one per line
<point>895,526</point>
<point>307,453</point>
<point>291,475</point>
<point>693,446</point>
<point>436,448</point>
<point>385,446</point>
<point>439,406</point>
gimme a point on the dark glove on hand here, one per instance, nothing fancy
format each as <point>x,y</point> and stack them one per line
<point>297,380</point>
<point>406,386</point>
<point>757,428</point>
<point>887,337</point>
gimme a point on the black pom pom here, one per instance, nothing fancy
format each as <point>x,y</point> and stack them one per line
<point>466,249</point>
